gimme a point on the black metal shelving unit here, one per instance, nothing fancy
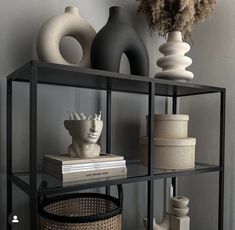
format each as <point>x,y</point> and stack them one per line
<point>36,73</point>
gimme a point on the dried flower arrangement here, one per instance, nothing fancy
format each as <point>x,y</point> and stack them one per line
<point>175,15</point>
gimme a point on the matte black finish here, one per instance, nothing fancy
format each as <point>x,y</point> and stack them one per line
<point>33,148</point>
<point>45,73</point>
<point>54,187</point>
<point>108,128</point>
<point>174,179</point>
<point>150,153</point>
<point>63,75</point>
<point>9,150</point>
<point>108,124</point>
<point>118,37</point>
<point>24,186</point>
<point>222,159</point>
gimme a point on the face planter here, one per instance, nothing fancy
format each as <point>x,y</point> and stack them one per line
<point>85,133</point>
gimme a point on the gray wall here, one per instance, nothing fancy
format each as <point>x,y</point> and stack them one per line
<point>19,23</point>
<point>213,64</point>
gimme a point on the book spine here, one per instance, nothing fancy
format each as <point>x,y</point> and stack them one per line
<point>90,169</point>
<point>97,165</point>
<point>61,160</point>
<point>83,174</point>
<point>94,164</point>
<point>94,174</point>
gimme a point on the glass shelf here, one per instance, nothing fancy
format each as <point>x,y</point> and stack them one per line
<point>199,168</point>
<point>136,173</point>
<point>55,74</point>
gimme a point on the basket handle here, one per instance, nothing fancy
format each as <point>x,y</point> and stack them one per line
<point>42,198</point>
<point>120,195</point>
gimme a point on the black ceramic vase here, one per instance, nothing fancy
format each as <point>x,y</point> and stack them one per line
<point>115,38</point>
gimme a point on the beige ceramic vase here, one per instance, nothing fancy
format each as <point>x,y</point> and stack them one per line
<point>174,62</point>
<point>53,30</point>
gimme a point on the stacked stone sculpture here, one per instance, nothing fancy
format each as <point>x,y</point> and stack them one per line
<point>179,219</point>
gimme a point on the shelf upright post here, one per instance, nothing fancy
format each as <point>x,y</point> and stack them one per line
<point>108,127</point>
<point>33,146</point>
<point>9,151</point>
<point>174,111</point>
<point>150,131</point>
<point>222,158</point>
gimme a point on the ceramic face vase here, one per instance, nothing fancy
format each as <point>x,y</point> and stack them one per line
<point>85,134</point>
<point>70,24</point>
<point>118,37</point>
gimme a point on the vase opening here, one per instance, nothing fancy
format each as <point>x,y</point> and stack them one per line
<point>117,13</point>
<point>72,9</point>
<point>174,36</point>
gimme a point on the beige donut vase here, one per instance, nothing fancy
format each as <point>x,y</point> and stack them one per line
<point>53,30</point>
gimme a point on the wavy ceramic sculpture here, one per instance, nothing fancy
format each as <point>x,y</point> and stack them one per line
<point>180,201</point>
<point>118,37</point>
<point>180,212</point>
<point>85,133</point>
<point>179,219</point>
<point>174,62</point>
<point>68,24</point>
<point>179,206</point>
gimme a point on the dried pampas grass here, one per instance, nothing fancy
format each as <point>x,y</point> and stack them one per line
<point>175,15</point>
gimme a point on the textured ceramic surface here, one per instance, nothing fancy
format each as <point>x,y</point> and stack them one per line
<point>180,201</point>
<point>174,63</point>
<point>170,126</point>
<point>68,24</point>
<point>85,134</point>
<point>116,38</point>
<point>180,211</point>
<point>172,154</point>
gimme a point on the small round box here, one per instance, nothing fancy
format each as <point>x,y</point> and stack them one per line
<point>172,154</point>
<point>170,126</point>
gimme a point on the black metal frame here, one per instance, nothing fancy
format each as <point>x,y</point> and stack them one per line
<point>174,179</point>
<point>36,73</point>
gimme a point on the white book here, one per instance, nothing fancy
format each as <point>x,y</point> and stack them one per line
<point>65,159</point>
<point>94,165</point>
<point>81,167</point>
<point>50,166</point>
<point>90,174</point>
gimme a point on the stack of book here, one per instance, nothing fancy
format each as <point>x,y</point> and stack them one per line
<point>68,169</point>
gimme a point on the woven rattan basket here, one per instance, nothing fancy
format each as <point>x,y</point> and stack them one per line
<point>85,211</point>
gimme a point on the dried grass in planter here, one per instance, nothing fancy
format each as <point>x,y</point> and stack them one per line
<point>175,15</point>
